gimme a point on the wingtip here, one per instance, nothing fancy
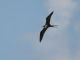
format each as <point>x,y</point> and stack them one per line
<point>40,41</point>
<point>52,11</point>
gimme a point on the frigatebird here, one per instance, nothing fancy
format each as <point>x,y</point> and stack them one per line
<point>46,26</point>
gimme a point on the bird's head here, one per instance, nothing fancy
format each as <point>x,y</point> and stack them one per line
<point>44,26</point>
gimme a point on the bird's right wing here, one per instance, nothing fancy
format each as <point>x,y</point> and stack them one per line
<point>48,18</point>
<point>42,33</point>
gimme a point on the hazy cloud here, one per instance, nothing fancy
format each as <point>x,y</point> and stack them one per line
<point>55,43</point>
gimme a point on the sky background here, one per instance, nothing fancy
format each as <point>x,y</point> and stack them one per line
<point>21,22</point>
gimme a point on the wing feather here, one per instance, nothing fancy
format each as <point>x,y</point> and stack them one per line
<point>48,18</point>
<point>42,33</point>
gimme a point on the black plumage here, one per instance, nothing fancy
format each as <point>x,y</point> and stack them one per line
<point>48,18</point>
<point>46,26</point>
<point>42,33</point>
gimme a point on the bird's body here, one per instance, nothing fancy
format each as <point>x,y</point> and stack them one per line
<point>46,26</point>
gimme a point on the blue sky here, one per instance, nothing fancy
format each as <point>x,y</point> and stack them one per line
<point>22,20</point>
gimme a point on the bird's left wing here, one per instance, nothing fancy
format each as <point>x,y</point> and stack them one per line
<point>42,33</point>
<point>48,18</point>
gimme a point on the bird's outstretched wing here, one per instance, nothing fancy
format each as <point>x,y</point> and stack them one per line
<point>42,33</point>
<point>48,18</point>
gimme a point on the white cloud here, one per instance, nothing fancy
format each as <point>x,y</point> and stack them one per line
<point>55,42</point>
<point>54,45</point>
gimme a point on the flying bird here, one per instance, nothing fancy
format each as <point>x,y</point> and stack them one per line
<point>46,26</point>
